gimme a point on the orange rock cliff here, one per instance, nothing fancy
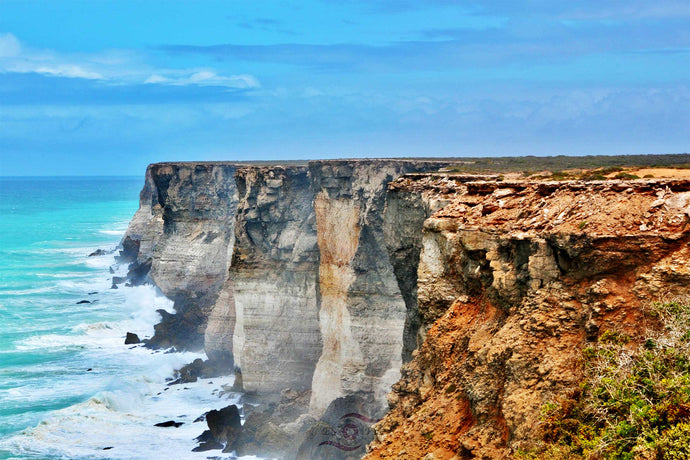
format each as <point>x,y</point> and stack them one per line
<point>514,280</point>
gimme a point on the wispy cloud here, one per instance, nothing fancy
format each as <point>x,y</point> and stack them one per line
<point>115,67</point>
<point>203,78</point>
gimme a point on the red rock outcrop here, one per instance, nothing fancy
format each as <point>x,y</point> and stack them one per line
<point>514,280</point>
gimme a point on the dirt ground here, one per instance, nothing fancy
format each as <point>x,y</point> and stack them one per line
<point>662,173</point>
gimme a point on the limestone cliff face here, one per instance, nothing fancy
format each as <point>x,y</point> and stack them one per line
<point>182,232</point>
<point>514,280</point>
<point>275,337</point>
<point>312,301</point>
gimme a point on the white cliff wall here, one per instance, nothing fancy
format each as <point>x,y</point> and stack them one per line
<point>181,233</point>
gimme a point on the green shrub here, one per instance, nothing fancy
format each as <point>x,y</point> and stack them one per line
<point>626,176</point>
<point>634,402</point>
<point>674,442</point>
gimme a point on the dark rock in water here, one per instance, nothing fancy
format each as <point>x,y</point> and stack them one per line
<point>201,418</point>
<point>262,434</point>
<point>169,423</point>
<point>132,338</point>
<point>225,425</point>
<point>89,369</point>
<point>205,436</point>
<point>129,251</point>
<point>138,273</point>
<point>108,448</point>
<point>114,286</point>
<point>93,292</point>
<point>201,369</point>
<point>98,252</point>
<point>237,383</point>
<point>83,301</point>
<point>208,445</point>
<point>119,279</point>
<point>112,272</point>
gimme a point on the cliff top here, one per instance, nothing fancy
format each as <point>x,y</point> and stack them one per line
<point>508,164</point>
<point>603,207</point>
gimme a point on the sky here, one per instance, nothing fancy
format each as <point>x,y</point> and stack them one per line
<point>104,87</point>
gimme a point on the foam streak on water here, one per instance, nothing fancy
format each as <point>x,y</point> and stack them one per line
<point>69,387</point>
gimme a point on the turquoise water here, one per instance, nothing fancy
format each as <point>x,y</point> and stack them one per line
<point>68,386</point>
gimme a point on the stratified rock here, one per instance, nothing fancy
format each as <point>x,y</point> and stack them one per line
<point>179,239</point>
<point>132,338</point>
<point>514,281</point>
<point>270,321</point>
<point>313,300</point>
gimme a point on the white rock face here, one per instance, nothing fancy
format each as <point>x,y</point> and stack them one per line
<point>337,223</point>
<point>287,270</point>
<point>274,270</point>
<point>183,229</point>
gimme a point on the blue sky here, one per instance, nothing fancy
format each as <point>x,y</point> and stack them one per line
<point>106,87</point>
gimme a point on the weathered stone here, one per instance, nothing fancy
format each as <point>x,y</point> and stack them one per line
<point>225,425</point>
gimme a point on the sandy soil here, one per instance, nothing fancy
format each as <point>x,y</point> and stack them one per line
<point>662,172</point>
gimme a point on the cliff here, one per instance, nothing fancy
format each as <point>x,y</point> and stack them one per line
<point>515,280</point>
<point>179,239</point>
<point>286,271</point>
<point>331,283</point>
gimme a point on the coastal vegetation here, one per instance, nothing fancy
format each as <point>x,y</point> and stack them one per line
<point>634,402</point>
<point>531,164</point>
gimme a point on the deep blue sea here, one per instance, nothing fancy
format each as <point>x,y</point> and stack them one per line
<point>69,387</point>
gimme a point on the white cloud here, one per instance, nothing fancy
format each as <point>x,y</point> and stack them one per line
<point>118,67</point>
<point>203,78</point>
<point>69,71</point>
<point>155,78</point>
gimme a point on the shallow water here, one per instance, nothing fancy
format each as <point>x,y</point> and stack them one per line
<point>69,387</point>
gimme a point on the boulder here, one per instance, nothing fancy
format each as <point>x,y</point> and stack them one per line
<point>224,424</point>
<point>132,338</point>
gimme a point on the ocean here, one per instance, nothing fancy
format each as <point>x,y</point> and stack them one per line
<point>69,387</point>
